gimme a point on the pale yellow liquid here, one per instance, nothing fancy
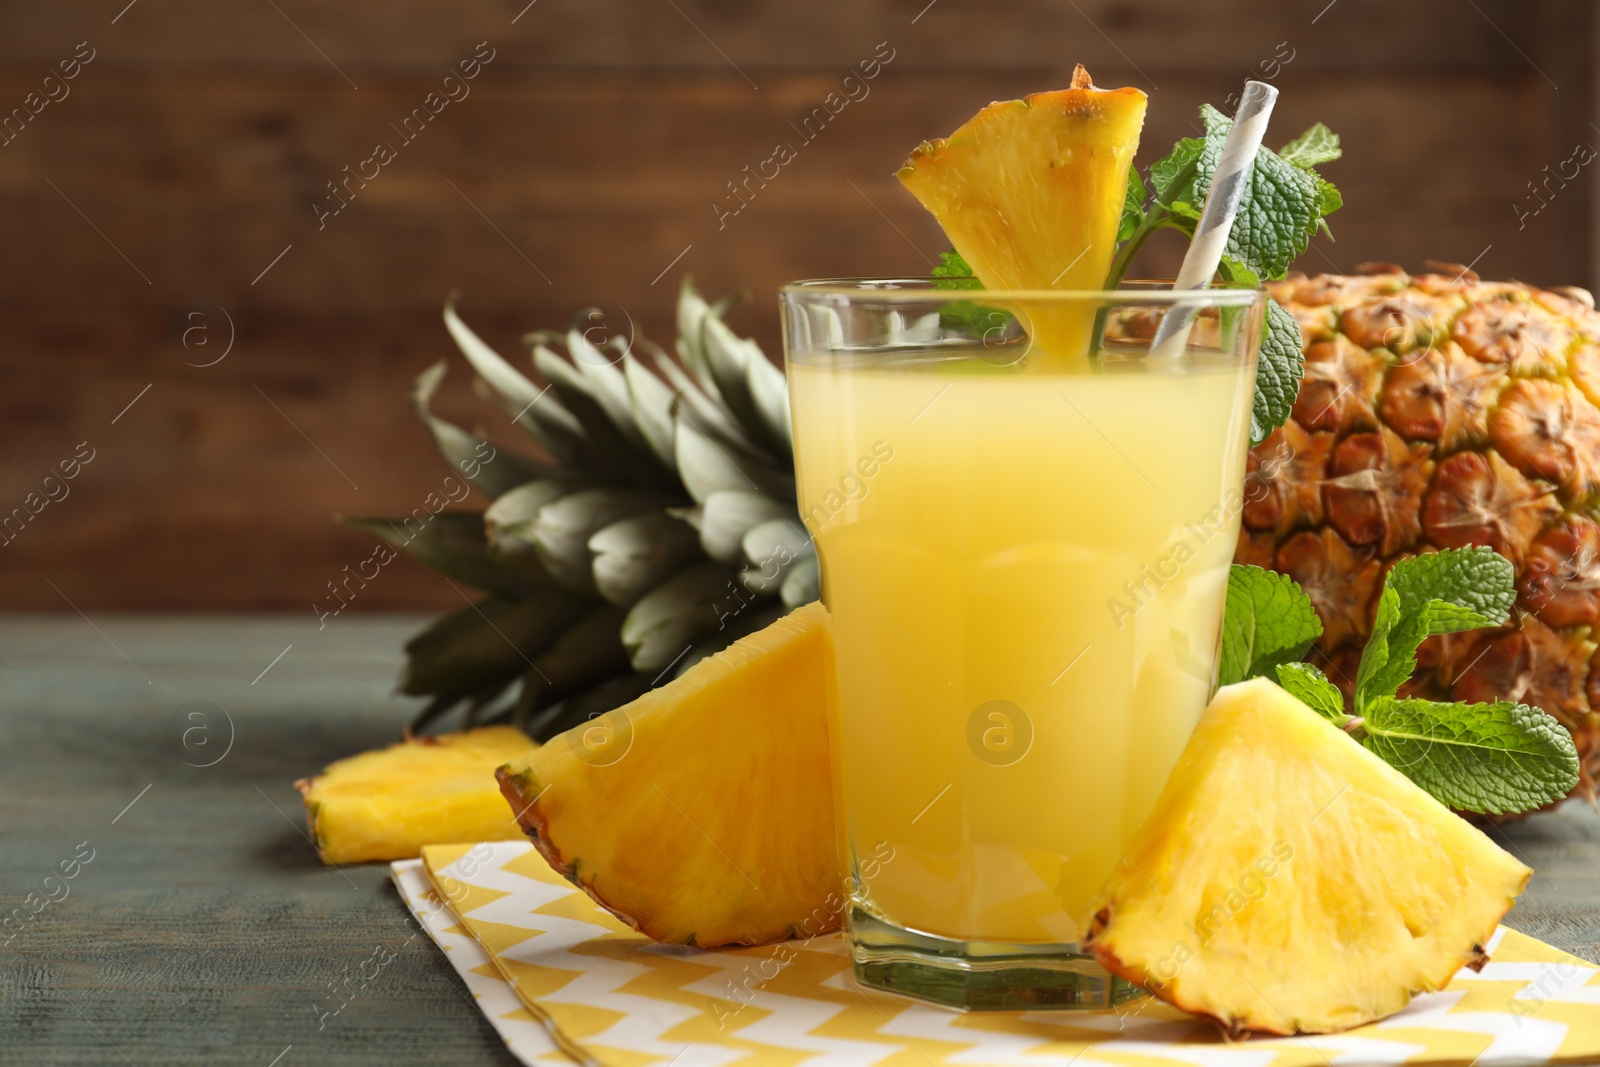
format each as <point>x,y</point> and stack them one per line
<point>981,561</point>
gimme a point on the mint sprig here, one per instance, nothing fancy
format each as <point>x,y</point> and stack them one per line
<point>1284,205</point>
<point>1306,681</point>
<point>1280,210</point>
<point>1495,758</point>
<point>1317,145</point>
<point>1132,205</point>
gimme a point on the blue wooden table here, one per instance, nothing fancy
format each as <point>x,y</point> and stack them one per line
<point>198,926</point>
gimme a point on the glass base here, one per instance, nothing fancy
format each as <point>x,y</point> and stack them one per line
<point>981,975</point>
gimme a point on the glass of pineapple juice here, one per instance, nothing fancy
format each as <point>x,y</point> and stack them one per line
<point>1024,522</point>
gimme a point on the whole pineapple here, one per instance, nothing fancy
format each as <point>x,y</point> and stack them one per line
<point>1438,410</point>
<point>656,525</point>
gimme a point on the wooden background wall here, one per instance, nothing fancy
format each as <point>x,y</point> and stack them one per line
<point>190,150</point>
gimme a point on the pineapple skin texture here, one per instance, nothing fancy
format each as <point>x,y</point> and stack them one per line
<point>1439,410</point>
<point>387,804</point>
<point>701,813</point>
<point>1289,881</point>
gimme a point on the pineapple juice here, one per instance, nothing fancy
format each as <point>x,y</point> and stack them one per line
<point>1025,573</point>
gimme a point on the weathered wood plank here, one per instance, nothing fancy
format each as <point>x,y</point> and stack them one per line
<point>203,929</point>
<point>601,185</point>
<point>1156,35</point>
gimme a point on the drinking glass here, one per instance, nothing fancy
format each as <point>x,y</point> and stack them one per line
<point>1024,520</point>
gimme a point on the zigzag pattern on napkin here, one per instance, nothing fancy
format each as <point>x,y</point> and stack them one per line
<point>524,1033</point>
<point>617,999</point>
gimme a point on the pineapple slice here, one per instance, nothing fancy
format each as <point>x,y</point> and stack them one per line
<point>1289,881</point>
<point>1030,192</point>
<point>387,804</point>
<point>701,813</point>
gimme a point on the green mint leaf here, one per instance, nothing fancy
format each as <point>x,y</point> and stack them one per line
<point>1235,273</point>
<point>1168,170</point>
<point>1375,657</point>
<point>973,319</point>
<point>1132,206</point>
<point>1281,364</point>
<point>1313,689</point>
<point>953,273</point>
<point>1331,201</point>
<point>1268,621</point>
<point>1279,369</point>
<point>1391,653</point>
<point>1317,145</point>
<point>1494,759</point>
<point>1184,210</point>
<point>1478,581</point>
<point>1436,593</point>
<point>1280,210</point>
<point>1238,276</point>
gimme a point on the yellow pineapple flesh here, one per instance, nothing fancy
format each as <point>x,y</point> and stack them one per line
<point>387,804</point>
<point>701,813</point>
<point>1030,192</point>
<point>1289,881</point>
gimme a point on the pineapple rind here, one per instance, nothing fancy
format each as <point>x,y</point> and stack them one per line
<point>520,789</point>
<point>1289,881</point>
<point>387,804</point>
<point>710,820</point>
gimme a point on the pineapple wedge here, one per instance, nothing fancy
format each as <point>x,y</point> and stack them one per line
<point>1289,881</point>
<point>387,804</point>
<point>1030,191</point>
<point>701,813</point>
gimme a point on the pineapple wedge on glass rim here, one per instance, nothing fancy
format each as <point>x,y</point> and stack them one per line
<point>1030,193</point>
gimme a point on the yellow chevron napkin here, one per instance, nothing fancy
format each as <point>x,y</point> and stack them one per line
<point>606,995</point>
<point>527,1035</point>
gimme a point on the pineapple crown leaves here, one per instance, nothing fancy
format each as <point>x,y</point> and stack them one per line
<point>1493,758</point>
<point>466,451</point>
<point>661,508</point>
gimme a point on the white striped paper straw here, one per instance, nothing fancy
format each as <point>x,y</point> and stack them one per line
<point>1216,218</point>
